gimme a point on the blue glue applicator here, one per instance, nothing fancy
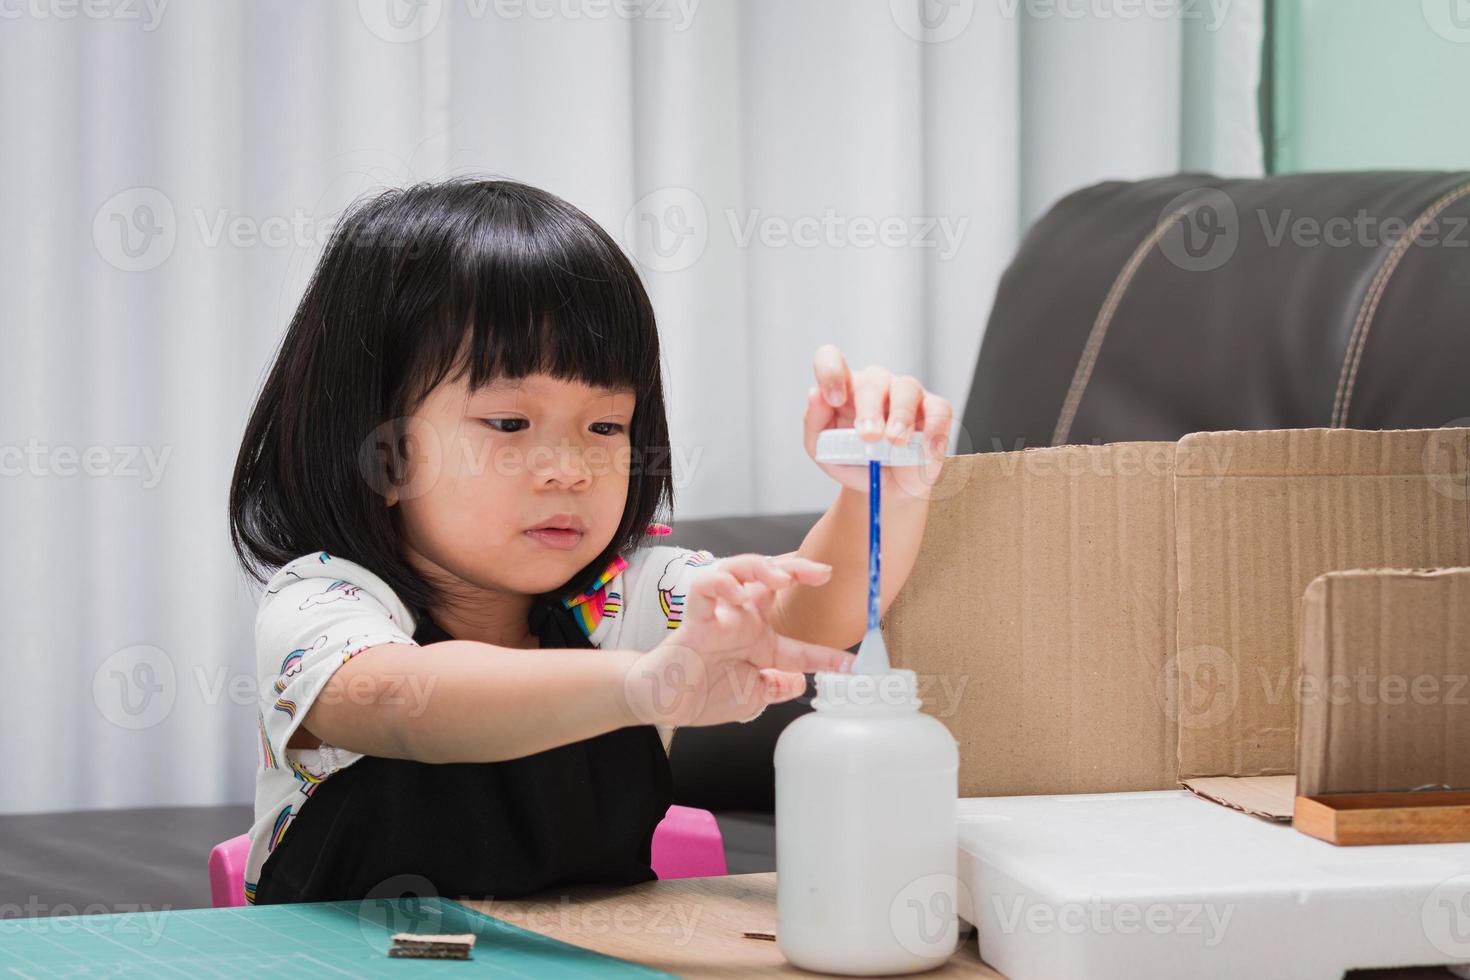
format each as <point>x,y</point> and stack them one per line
<point>846,447</point>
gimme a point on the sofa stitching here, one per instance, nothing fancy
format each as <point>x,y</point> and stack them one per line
<point>1083,373</point>
<point>1358,339</point>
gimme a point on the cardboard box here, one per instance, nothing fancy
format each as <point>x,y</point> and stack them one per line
<point>1124,617</point>
<point>1040,618</point>
<point>1384,698</point>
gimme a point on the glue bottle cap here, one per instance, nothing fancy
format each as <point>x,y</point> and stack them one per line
<point>845,446</point>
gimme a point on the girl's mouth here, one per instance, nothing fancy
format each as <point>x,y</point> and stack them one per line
<point>562,539</point>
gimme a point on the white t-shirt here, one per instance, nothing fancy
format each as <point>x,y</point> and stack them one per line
<point>319,611</point>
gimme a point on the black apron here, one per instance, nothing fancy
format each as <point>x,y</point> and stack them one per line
<point>578,813</point>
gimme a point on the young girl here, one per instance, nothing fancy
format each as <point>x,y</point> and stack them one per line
<point>472,660</point>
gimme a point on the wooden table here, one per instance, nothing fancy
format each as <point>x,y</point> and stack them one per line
<point>691,927</point>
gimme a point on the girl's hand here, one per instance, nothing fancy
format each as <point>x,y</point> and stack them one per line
<point>726,662</point>
<point>877,404</point>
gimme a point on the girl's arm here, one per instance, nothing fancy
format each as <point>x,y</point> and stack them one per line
<point>466,701</point>
<point>837,614</point>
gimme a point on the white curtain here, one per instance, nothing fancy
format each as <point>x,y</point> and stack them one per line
<point>789,172</point>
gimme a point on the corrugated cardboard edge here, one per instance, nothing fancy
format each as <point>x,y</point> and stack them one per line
<point>1268,797</point>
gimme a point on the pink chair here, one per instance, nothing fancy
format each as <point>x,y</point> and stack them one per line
<point>686,844</point>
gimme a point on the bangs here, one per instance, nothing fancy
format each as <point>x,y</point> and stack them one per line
<point>554,295</point>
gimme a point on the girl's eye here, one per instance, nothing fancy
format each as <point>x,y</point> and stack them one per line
<point>496,423</point>
<point>616,427</point>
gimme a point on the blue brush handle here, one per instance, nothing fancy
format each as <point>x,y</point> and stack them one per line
<point>875,471</point>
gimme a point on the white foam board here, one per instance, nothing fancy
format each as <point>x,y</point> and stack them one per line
<point>1134,886</point>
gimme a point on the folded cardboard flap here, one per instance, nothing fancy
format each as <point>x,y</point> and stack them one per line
<point>1385,682</point>
<point>1285,507</point>
<point>1054,587</point>
<point>1040,618</point>
<point>1270,797</point>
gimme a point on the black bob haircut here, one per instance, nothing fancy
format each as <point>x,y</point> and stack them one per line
<point>419,285</point>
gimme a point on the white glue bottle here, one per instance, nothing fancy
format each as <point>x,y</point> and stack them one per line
<point>866,830</point>
<point>867,793</point>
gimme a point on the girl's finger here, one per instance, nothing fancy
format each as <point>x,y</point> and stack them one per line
<point>869,393</point>
<point>789,654</point>
<point>709,586</point>
<point>832,374</point>
<point>819,416</point>
<point>750,567</point>
<point>806,571</point>
<point>904,394</point>
<point>782,685</point>
<point>938,416</point>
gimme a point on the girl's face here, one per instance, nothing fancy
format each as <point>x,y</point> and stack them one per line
<point>486,468</point>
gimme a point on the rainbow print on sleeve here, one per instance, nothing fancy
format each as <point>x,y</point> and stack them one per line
<point>589,607</point>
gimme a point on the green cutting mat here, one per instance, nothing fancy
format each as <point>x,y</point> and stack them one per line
<point>316,938</point>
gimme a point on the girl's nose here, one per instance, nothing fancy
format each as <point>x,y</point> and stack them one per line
<point>563,462</point>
